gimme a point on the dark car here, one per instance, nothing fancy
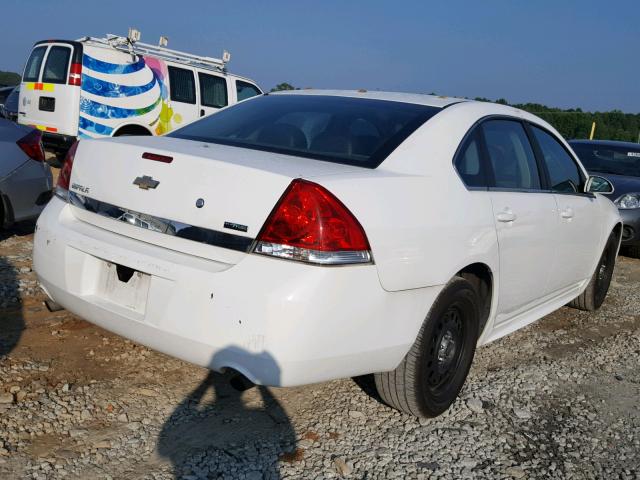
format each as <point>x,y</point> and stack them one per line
<point>619,162</point>
<point>10,107</point>
<point>4,93</point>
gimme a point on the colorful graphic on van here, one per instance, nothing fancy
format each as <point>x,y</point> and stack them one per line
<point>93,127</point>
<point>113,90</point>
<point>163,122</point>
<point>106,67</point>
<point>111,93</point>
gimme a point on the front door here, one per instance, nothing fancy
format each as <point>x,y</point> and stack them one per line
<point>578,235</point>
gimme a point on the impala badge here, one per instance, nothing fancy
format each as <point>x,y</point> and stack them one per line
<point>145,182</point>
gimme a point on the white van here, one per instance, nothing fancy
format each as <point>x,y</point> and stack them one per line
<point>112,86</point>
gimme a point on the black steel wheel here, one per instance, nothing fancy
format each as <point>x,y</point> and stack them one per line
<point>596,291</point>
<point>432,374</point>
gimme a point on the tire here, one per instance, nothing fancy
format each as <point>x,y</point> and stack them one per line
<point>632,251</point>
<point>596,291</point>
<point>430,376</point>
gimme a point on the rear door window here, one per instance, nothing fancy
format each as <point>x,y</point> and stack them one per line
<point>564,174</point>
<point>246,90</point>
<point>32,70</point>
<point>182,85</point>
<point>213,91</point>
<point>57,64</point>
<point>469,162</point>
<point>511,156</point>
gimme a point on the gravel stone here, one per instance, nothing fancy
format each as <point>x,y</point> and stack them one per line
<point>475,405</point>
<point>556,400</point>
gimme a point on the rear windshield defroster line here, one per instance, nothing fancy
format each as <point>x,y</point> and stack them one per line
<point>346,130</point>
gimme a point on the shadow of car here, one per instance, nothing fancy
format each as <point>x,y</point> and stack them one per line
<point>25,178</point>
<point>618,162</point>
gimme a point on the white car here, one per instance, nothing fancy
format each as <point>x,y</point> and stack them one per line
<point>307,236</point>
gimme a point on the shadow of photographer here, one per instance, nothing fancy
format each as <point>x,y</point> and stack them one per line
<point>227,426</point>
<point>12,323</point>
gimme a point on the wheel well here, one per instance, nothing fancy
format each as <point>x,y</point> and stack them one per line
<point>480,276</point>
<point>133,130</point>
<point>618,231</point>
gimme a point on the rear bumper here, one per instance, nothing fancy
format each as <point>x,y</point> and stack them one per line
<point>279,323</point>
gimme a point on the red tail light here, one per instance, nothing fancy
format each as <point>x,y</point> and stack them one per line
<point>31,144</point>
<point>64,178</point>
<point>310,224</point>
<point>75,74</point>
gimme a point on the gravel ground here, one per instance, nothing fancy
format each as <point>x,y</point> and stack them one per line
<point>559,399</point>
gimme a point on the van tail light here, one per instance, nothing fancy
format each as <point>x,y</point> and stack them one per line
<point>309,224</point>
<point>31,144</point>
<point>75,74</point>
<point>64,177</point>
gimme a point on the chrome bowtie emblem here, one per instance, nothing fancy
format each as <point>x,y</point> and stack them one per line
<point>145,182</point>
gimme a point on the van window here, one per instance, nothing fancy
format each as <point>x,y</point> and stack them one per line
<point>57,64</point>
<point>213,91</point>
<point>32,70</point>
<point>514,164</point>
<point>182,85</point>
<point>246,90</point>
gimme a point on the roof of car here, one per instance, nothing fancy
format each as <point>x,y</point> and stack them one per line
<point>609,143</point>
<point>417,98</point>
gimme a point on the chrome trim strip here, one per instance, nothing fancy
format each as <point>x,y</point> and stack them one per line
<point>161,225</point>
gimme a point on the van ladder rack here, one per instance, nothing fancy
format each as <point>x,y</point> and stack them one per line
<point>138,48</point>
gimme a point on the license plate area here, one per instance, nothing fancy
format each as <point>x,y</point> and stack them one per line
<point>47,104</point>
<point>124,286</point>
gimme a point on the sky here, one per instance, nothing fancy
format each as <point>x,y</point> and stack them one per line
<point>567,53</point>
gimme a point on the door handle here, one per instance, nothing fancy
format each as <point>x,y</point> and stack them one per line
<point>567,213</point>
<point>506,216</point>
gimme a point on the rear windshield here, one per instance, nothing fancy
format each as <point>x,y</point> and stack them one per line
<point>613,159</point>
<point>57,64</point>
<point>32,70</point>
<point>352,131</point>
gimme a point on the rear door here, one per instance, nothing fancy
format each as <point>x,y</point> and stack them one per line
<point>50,91</point>
<point>525,217</point>
<point>578,235</point>
<point>182,89</point>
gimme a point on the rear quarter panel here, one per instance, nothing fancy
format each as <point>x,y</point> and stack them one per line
<point>423,224</point>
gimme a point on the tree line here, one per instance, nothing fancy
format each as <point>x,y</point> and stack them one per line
<point>572,122</point>
<point>575,123</point>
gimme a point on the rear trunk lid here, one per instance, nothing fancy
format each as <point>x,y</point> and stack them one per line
<point>50,88</point>
<point>216,198</point>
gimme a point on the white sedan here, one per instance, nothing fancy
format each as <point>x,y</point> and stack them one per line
<point>306,236</point>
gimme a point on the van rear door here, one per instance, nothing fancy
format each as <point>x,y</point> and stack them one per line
<point>50,91</point>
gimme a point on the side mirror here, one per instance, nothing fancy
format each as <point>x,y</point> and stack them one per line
<point>597,184</point>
